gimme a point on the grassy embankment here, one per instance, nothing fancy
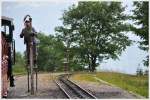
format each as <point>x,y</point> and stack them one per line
<point>136,84</point>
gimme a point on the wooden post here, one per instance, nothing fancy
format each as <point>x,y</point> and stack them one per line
<point>31,69</point>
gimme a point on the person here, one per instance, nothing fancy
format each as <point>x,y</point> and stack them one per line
<point>29,34</point>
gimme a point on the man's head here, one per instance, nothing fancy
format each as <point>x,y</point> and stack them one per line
<point>27,24</point>
<point>28,21</point>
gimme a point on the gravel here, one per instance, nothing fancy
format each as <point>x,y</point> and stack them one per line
<point>103,91</point>
<point>46,88</point>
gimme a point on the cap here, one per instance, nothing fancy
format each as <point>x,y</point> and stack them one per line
<point>27,18</point>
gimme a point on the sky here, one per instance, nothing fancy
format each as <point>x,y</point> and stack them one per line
<point>46,16</point>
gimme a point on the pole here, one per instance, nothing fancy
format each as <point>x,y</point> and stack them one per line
<point>35,65</point>
<point>28,72</point>
<point>28,79</point>
<point>36,78</point>
<point>67,59</point>
<point>31,69</point>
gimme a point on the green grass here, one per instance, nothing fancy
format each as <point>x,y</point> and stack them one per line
<point>136,84</point>
<point>83,77</point>
<point>19,70</point>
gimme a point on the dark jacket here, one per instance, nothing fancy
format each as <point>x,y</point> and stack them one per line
<point>27,33</point>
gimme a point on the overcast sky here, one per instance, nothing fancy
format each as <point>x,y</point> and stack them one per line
<point>46,17</point>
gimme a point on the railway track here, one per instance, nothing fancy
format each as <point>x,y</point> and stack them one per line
<point>72,90</point>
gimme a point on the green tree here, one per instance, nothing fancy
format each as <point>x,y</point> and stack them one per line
<point>141,25</point>
<point>19,67</point>
<point>19,58</point>
<point>71,52</point>
<point>96,29</point>
<point>50,53</point>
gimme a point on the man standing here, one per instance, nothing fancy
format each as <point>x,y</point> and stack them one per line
<point>29,34</point>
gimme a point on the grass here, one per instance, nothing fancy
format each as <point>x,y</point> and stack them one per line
<point>136,84</point>
<point>19,70</point>
<point>84,77</point>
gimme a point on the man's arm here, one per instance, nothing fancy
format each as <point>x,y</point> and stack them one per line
<point>34,32</point>
<point>22,34</point>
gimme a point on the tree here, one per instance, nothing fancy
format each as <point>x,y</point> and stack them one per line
<point>139,72</point>
<point>50,53</point>
<point>141,25</point>
<point>96,29</point>
<point>19,58</point>
<point>19,67</point>
<point>70,51</point>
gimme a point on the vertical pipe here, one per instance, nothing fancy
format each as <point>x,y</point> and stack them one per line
<point>28,79</point>
<point>36,66</point>
<point>31,69</point>
<point>36,79</point>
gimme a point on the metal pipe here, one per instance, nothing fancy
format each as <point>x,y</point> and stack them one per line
<point>28,79</point>
<point>31,69</point>
<point>36,79</point>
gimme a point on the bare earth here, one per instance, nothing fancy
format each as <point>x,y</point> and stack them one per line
<point>46,88</point>
<point>49,90</point>
<point>106,91</point>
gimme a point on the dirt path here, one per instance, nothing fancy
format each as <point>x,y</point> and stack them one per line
<point>49,90</point>
<point>102,91</point>
<point>46,88</point>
